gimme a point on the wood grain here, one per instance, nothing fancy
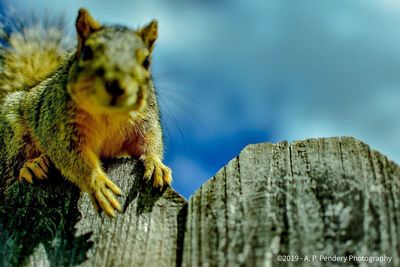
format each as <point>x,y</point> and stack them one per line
<point>49,224</point>
<point>327,197</point>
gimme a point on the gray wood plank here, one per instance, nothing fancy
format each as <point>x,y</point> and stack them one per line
<point>328,196</point>
<point>49,224</point>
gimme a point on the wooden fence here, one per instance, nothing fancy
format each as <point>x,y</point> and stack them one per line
<point>316,202</point>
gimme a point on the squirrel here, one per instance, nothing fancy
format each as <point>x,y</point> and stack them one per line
<point>72,109</point>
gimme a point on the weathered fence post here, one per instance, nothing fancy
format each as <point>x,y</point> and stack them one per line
<point>48,224</point>
<point>274,205</point>
<point>280,205</point>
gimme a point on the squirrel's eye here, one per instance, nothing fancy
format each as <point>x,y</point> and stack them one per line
<point>87,53</point>
<point>146,62</point>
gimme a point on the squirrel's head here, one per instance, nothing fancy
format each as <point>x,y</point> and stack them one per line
<point>112,66</point>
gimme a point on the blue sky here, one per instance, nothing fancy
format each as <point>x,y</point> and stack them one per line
<point>231,73</point>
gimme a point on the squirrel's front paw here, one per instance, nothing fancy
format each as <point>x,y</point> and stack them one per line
<point>36,167</point>
<point>154,168</point>
<point>102,195</point>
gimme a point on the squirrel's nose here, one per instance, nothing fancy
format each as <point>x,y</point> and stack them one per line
<point>114,89</point>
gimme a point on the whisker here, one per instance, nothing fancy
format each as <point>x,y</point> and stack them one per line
<point>176,122</point>
<point>185,96</point>
<point>184,107</point>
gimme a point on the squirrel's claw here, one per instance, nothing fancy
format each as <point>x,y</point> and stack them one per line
<point>161,174</point>
<point>149,169</point>
<point>37,167</point>
<point>25,174</point>
<point>113,187</point>
<point>103,195</point>
<point>110,197</point>
<point>104,203</point>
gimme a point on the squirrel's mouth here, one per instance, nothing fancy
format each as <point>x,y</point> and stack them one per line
<point>113,101</point>
<point>98,96</point>
<point>126,102</point>
<point>133,99</point>
<point>131,102</point>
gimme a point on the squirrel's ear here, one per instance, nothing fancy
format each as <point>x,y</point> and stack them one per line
<point>149,34</point>
<point>85,25</point>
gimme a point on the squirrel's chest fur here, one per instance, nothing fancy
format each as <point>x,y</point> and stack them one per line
<point>110,136</point>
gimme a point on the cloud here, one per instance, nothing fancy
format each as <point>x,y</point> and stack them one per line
<point>247,71</point>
